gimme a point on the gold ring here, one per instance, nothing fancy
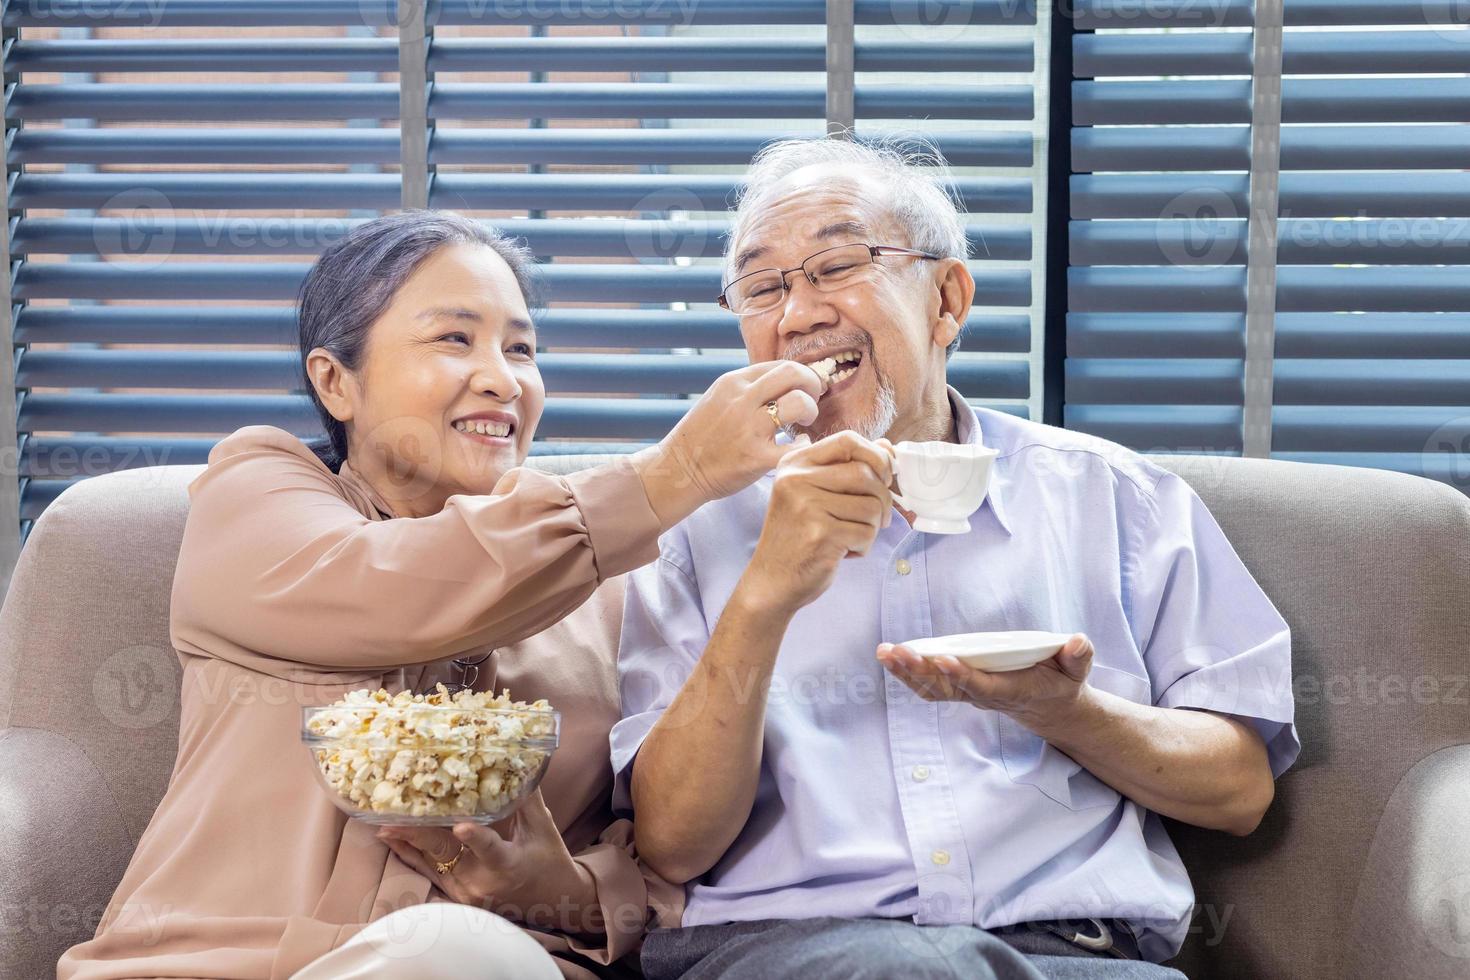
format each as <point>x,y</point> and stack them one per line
<point>444,867</point>
<point>775,414</point>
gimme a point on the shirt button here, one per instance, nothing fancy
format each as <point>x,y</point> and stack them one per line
<point>904,567</point>
<point>940,857</point>
<point>921,773</point>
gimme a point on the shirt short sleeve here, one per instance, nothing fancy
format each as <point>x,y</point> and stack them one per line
<point>1209,635</point>
<point>664,635</point>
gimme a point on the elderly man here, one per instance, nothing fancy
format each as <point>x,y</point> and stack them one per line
<point>840,807</point>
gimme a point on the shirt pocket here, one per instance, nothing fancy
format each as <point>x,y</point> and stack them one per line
<point>1031,761</point>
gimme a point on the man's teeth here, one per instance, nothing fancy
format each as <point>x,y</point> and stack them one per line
<point>483,427</point>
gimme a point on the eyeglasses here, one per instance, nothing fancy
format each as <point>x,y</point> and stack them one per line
<point>829,270</point>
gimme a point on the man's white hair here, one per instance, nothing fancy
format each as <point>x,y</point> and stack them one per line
<point>920,197</point>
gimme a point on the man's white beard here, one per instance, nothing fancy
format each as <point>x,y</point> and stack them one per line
<point>876,423</point>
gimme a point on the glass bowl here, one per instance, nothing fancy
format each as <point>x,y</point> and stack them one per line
<point>429,764</point>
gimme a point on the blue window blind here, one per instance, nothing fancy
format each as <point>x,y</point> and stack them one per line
<point>176,167</point>
<point>1372,352</point>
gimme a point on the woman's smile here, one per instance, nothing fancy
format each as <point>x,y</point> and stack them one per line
<point>496,429</point>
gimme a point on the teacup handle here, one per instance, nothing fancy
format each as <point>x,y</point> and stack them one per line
<point>901,502</point>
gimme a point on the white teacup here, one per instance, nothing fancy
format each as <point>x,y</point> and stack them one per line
<point>942,483</point>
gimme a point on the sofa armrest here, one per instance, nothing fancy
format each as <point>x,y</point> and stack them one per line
<point>1411,917</point>
<point>66,847</point>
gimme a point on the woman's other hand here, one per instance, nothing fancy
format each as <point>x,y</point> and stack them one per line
<point>727,440</point>
<point>524,873</point>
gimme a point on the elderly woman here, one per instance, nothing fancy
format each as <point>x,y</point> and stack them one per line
<point>410,542</point>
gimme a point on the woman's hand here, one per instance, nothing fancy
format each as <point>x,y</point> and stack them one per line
<point>727,440</point>
<point>527,875</point>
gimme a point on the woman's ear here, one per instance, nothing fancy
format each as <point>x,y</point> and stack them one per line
<point>956,292</point>
<point>334,384</point>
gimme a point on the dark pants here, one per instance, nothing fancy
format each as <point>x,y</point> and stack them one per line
<point>877,949</point>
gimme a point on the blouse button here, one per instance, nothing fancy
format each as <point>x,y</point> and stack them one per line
<point>903,566</point>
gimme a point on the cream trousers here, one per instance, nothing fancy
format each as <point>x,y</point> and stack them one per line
<point>436,941</point>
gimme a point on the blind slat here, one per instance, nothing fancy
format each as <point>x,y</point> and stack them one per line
<point>210,235</point>
<point>511,100</point>
<point>281,280</point>
<point>150,192</point>
<point>563,373</point>
<point>576,327</point>
<point>1300,241</point>
<point>1302,53</point>
<point>559,54</point>
<point>1150,148</point>
<point>1298,289</point>
<point>1362,335</point>
<point>1303,100</point>
<point>1328,195</point>
<point>575,13</point>
<point>1297,381</point>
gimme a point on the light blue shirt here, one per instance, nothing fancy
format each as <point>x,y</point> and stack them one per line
<point>874,802</point>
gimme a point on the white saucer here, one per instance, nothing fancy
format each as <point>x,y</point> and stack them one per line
<point>993,652</point>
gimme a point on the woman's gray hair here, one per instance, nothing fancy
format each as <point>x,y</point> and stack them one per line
<point>921,196</point>
<point>356,277</point>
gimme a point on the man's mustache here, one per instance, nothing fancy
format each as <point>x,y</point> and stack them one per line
<point>849,341</point>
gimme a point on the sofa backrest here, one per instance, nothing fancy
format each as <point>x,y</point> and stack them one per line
<point>1367,566</point>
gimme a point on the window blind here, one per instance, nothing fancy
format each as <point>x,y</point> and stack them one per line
<point>1372,354</point>
<point>175,167</point>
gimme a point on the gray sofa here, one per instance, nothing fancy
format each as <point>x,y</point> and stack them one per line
<point>1361,868</point>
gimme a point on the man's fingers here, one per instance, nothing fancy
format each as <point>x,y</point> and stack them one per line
<point>796,408</point>
<point>847,445</point>
<point>775,378</point>
<point>852,478</point>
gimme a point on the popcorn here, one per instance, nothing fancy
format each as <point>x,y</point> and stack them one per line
<point>825,368</point>
<point>431,755</point>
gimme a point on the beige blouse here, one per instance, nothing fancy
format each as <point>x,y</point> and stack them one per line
<point>292,588</point>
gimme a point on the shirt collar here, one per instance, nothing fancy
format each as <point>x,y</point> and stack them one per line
<point>351,477</point>
<point>968,432</point>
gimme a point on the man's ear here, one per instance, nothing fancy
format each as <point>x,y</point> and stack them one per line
<point>956,289</point>
<point>334,384</point>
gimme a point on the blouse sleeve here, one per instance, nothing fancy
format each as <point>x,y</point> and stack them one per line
<point>276,560</point>
<point>632,896</point>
